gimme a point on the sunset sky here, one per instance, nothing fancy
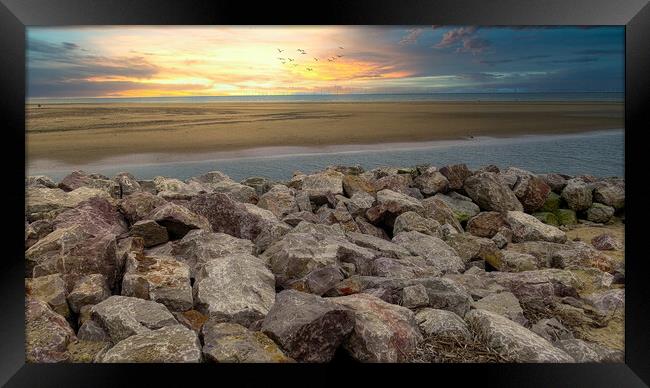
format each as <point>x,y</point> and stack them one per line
<point>214,61</point>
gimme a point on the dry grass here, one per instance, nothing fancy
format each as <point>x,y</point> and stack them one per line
<point>457,350</point>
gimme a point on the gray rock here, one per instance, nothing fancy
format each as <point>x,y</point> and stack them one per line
<point>513,339</point>
<point>174,189</point>
<point>431,182</point>
<point>442,323</point>
<point>50,289</point>
<point>36,231</point>
<point>89,290</point>
<point>230,342</point>
<point>171,344</point>
<point>96,215</point>
<point>218,182</point>
<point>456,175</point>
<point>366,227</point>
<point>435,251</point>
<point>359,203</point>
<point>151,232</point>
<point>598,212</point>
<point>556,182</point>
<point>505,304</point>
<point>486,224</point>
<point>413,222</point>
<point>391,204</point>
<point>463,207</point>
<point>583,351</point>
<point>552,330</point>
<point>415,296</point>
<point>46,203</point>
<point>387,248</point>
<point>162,279</point>
<point>319,186</point>
<point>79,179</point>
<point>610,193</point>
<point>178,220</point>
<point>407,267</point>
<point>539,285</point>
<point>609,301</point>
<point>279,200</point>
<point>490,193</point>
<point>577,194</point>
<point>40,181</point>
<point>383,332</point>
<point>47,334</point>
<point>91,331</point>
<point>309,328</point>
<point>528,228</point>
<point>517,262</point>
<point>123,316</point>
<point>438,210</point>
<point>127,183</point>
<point>139,205</point>
<point>260,184</point>
<point>235,288</point>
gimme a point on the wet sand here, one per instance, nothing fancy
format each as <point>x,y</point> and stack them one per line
<point>83,133</point>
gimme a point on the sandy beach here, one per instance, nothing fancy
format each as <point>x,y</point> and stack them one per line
<point>82,133</point>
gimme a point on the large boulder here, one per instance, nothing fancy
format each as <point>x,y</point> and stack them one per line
<point>124,316</point>
<point>178,219</point>
<point>128,184</point>
<point>431,181</point>
<point>200,246</point>
<point>400,183</point>
<point>436,209</point>
<point>531,191</point>
<point>170,344</point>
<point>528,228</point>
<point>598,212</point>
<point>391,204</point>
<point>578,194</point>
<point>462,206</point>
<point>435,251</point>
<point>174,189</point>
<point>309,328</point>
<point>610,193</point>
<point>226,215</point>
<point>36,231</point>
<point>486,224</point>
<point>413,222</point>
<point>503,303</point>
<point>47,203</point>
<point>442,323</point>
<point>96,215</point>
<point>139,205</point>
<point>47,334</point>
<point>260,184</point>
<point>490,193</point>
<point>230,342</point>
<point>353,184</point>
<point>456,175</point>
<point>556,182</point>
<point>79,179</point>
<point>508,337</point>
<point>158,278</point>
<point>218,182</point>
<point>387,248</point>
<point>50,289</point>
<point>321,185</point>
<point>538,285</point>
<point>40,181</point>
<point>279,200</point>
<point>89,290</point>
<point>235,288</point>
<point>383,332</point>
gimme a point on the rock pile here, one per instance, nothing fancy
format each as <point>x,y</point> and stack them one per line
<point>366,264</point>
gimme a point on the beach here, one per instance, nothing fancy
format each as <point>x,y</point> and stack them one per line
<point>85,133</point>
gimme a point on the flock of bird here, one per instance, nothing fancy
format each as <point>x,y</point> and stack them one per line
<point>291,61</point>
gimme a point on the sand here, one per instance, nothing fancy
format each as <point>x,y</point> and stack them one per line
<point>83,133</point>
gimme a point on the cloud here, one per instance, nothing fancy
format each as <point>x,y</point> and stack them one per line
<point>455,35</point>
<point>69,46</point>
<point>85,88</point>
<point>412,36</point>
<point>474,45</point>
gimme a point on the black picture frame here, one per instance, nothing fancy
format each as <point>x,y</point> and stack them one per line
<point>15,15</point>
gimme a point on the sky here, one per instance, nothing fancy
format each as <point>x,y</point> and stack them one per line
<point>238,60</point>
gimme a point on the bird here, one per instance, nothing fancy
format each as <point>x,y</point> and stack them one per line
<point>280,50</point>
<point>282,59</point>
<point>309,69</point>
<point>341,47</point>
<point>295,64</point>
<point>330,59</point>
<point>339,55</point>
<point>316,59</point>
<point>290,59</point>
<point>301,50</point>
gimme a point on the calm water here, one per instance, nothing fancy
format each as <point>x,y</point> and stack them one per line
<point>597,153</point>
<point>596,96</point>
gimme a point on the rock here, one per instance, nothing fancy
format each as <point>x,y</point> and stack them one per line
<point>218,182</point>
<point>171,344</point>
<point>608,301</point>
<point>556,182</point>
<point>127,183</point>
<point>383,332</point>
<point>391,204</point>
<point>45,203</point>
<point>359,203</point>
<point>178,220</point>
<point>415,296</point>
<point>91,331</point>
<point>319,186</point>
<point>538,285</point>
<point>456,175</point>
<point>40,181</point>
<point>513,339</point>
<point>431,182</point>
<point>353,184</point>
<point>547,218</point>
<point>86,351</point>
<point>139,205</point>
<point>294,219</point>
<point>399,183</point>
<point>366,227</point>
<point>191,319</point>
<point>47,334</point>
<point>505,304</point>
<point>469,248</point>
<point>200,246</point>
<point>228,216</point>
<point>260,184</point>
<point>413,222</point>
<point>552,203</point>
<point>309,328</point>
<point>438,210</point>
<point>531,192</point>
<point>407,267</point>
<point>435,251</point>
<point>566,217</point>
<point>577,194</point>
<point>491,194</point>
<point>279,200</point>
<point>387,248</point>
<point>162,279</point>
<point>79,179</point>
<point>486,224</point>
<point>517,262</point>
<point>502,239</point>
<point>582,351</point>
<point>148,186</point>
<point>599,213</point>
<point>610,193</point>
<point>74,252</point>
<point>271,235</point>
<point>235,288</point>
<point>36,231</point>
<point>95,215</point>
<point>174,189</point>
<point>528,228</point>
<point>606,242</point>
<point>230,342</point>
<point>123,316</point>
<point>551,329</point>
<point>463,207</point>
<point>89,290</point>
<point>442,323</point>
<point>151,232</point>
<point>347,170</point>
<point>51,290</point>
